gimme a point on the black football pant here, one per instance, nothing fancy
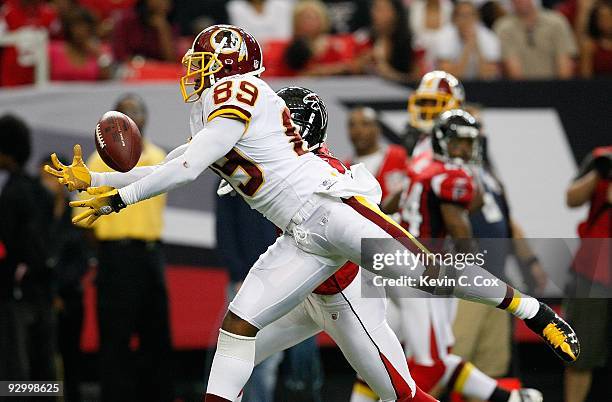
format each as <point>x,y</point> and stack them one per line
<point>132,299</point>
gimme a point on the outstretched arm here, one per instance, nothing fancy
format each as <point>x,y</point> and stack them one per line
<point>119,180</point>
<point>77,176</point>
<point>210,144</point>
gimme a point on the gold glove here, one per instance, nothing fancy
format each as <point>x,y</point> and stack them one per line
<point>106,200</point>
<point>75,176</point>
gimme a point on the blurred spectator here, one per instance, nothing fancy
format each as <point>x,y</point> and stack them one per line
<point>313,51</point>
<point>490,12</point>
<point>536,43</point>
<point>264,19</point>
<point>427,17</point>
<point>596,46</point>
<point>105,12</point>
<point>387,162</point>
<point>132,296</point>
<point>195,16</point>
<point>589,310</point>
<point>391,56</point>
<point>105,9</point>
<point>18,15</point>
<point>68,256</point>
<point>577,13</point>
<point>145,31</point>
<point>348,15</point>
<point>80,56</point>
<point>27,321</point>
<point>467,49</point>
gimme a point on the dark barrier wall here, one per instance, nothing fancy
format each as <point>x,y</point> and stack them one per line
<point>584,106</point>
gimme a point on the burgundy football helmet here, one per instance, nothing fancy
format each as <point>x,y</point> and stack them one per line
<point>219,51</point>
<point>437,92</point>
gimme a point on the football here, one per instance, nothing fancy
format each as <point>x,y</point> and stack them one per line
<point>118,141</point>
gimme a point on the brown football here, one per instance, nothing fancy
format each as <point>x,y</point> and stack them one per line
<point>118,141</point>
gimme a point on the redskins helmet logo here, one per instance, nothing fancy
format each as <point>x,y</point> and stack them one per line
<point>228,41</point>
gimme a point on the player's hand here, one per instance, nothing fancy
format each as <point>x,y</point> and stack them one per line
<point>106,200</point>
<point>75,176</point>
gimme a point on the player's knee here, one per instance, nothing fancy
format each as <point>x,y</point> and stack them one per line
<point>238,326</point>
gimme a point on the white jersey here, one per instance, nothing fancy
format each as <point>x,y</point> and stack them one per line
<point>269,166</point>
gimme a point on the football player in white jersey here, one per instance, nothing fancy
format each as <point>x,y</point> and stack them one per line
<point>243,131</point>
<point>356,324</point>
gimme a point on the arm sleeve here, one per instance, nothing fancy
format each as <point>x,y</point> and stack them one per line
<point>120,180</point>
<point>211,143</point>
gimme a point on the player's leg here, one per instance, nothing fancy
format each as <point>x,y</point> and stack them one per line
<point>289,330</point>
<point>466,379</point>
<point>359,328</point>
<point>280,280</point>
<point>357,215</point>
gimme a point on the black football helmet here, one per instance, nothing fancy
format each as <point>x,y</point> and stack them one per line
<point>308,113</point>
<point>455,123</point>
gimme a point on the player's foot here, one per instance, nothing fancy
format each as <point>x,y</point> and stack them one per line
<point>526,395</point>
<point>555,332</point>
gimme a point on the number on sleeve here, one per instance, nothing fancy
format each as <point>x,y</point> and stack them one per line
<point>235,161</point>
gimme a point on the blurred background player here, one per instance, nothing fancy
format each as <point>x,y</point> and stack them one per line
<point>435,205</point>
<point>132,296</point>
<point>486,335</point>
<point>483,335</point>
<point>590,306</point>
<point>437,92</point>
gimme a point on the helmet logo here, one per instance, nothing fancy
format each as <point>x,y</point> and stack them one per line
<point>313,101</point>
<point>231,41</point>
<point>444,87</point>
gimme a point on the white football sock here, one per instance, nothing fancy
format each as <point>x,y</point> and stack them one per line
<point>232,366</point>
<point>527,307</point>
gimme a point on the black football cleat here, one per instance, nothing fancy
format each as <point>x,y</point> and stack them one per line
<point>555,332</point>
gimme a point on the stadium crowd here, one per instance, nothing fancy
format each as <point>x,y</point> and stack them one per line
<point>396,39</point>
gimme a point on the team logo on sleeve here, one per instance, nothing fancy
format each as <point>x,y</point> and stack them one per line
<point>460,189</point>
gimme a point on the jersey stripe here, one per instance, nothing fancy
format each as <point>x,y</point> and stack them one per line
<point>232,112</point>
<point>374,214</point>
